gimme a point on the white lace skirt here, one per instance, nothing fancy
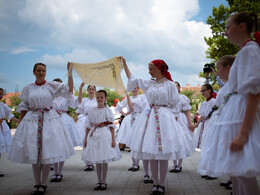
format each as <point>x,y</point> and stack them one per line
<point>5,138</point>
<point>81,126</point>
<point>56,142</point>
<point>99,147</point>
<point>144,143</point>
<point>218,159</point>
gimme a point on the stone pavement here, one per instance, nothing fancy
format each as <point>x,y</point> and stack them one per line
<point>19,179</point>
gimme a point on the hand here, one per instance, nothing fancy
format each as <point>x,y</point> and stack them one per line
<point>82,85</point>
<point>238,142</point>
<point>213,71</point>
<point>85,144</point>
<point>68,66</point>
<point>191,126</point>
<point>113,143</point>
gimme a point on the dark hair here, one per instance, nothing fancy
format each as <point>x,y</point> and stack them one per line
<point>38,64</point>
<point>93,86</point>
<point>58,80</point>
<point>102,91</point>
<point>226,60</point>
<point>208,86</point>
<point>178,84</point>
<point>250,20</point>
<point>1,89</point>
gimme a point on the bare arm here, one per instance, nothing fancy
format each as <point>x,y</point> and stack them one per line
<point>15,119</point>
<point>70,78</point>
<point>251,108</point>
<point>80,92</point>
<point>23,113</point>
<point>127,71</point>
<point>112,130</point>
<point>130,104</point>
<point>76,117</point>
<point>86,137</point>
<point>191,126</point>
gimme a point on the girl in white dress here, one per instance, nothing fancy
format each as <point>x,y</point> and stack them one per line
<point>61,104</point>
<point>158,137</point>
<point>185,121</point>
<point>85,105</point>
<point>99,146</point>
<point>235,149</point>
<point>41,138</point>
<point>204,110</point>
<point>5,132</point>
<point>117,115</point>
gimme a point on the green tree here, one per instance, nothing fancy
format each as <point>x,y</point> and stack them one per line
<point>218,43</point>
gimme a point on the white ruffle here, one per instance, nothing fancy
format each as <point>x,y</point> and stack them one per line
<point>5,138</point>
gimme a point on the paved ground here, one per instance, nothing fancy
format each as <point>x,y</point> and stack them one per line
<point>19,179</point>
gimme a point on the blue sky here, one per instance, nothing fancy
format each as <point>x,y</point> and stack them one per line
<point>57,31</point>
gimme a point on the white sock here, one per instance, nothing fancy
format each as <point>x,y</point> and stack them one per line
<point>55,168</point>
<point>98,168</point>
<point>146,167</point>
<point>163,171</point>
<point>60,167</point>
<point>45,174</point>
<point>154,170</point>
<point>174,162</point>
<point>37,174</point>
<point>104,172</point>
<point>180,162</point>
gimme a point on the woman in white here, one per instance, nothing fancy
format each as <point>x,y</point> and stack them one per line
<point>41,138</point>
<point>185,122</point>
<point>158,137</point>
<point>5,133</point>
<point>85,104</point>
<point>117,115</point>
<point>235,149</point>
<point>61,104</point>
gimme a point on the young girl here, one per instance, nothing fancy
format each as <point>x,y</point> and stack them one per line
<point>61,104</point>
<point>184,120</point>
<point>5,133</point>
<point>41,138</point>
<point>235,149</point>
<point>85,104</point>
<point>99,146</point>
<point>204,110</point>
<point>117,115</point>
<point>158,137</point>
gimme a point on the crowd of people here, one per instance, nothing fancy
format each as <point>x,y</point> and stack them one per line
<point>157,126</point>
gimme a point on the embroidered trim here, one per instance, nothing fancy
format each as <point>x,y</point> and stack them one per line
<point>61,111</point>
<point>99,125</point>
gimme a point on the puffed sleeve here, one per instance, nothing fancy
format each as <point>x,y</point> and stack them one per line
<point>73,101</point>
<point>119,107</point>
<point>24,95</point>
<point>22,106</point>
<point>59,89</point>
<point>185,103</point>
<point>7,112</point>
<point>201,110</point>
<point>90,115</point>
<point>174,97</point>
<point>110,117</point>
<point>142,104</point>
<point>137,82</point>
<point>249,70</point>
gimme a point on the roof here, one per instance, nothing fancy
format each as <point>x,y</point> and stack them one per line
<point>7,96</point>
<point>196,89</point>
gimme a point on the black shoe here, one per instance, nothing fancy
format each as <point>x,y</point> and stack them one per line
<point>226,184</point>
<point>154,190</point>
<point>59,178</point>
<point>177,169</point>
<point>89,168</point>
<point>51,168</point>
<point>53,178</point>
<point>204,176</point>
<point>172,170</point>
<point>130,169</point>
<point>151,180</point>
<point>136,168</point>
<point>35,190</point>
<point>42,190</point>
<point>210,178</point>
<point>161,192</point>
<point>1,174</point>
<point>146,179</point>
<point>97,187</point>
<point>228,187</point>
<point>103,186</point>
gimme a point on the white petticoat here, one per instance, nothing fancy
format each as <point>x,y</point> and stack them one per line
<point>82,125</point>
<point>183,122</point>
<point>56,142</point>
<point>144,144</point>
<point>5,138</point>
<point>72,129</point>
<point>218,159</point>
<point>99,147</point>
<point>201,136</point>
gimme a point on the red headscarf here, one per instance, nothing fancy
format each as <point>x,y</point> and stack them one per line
<point>115,100</point>
<point>162,66</point>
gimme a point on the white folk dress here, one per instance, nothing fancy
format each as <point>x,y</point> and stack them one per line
<point>200,133</point>
<point>156,133</point>
<point>61,104</point>
<point>182,106</point>
<point>117,115</point>
<point>125,131</point>
<point>5,133</point>
<point>56,142</point>
<point>83,109</point>
<point>99,146</point>
<point>219,159</point>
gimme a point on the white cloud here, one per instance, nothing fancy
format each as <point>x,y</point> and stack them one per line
<point>3,79</point>
<point>22,50</point>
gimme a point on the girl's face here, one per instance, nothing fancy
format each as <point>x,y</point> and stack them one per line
<point>154,71</point>
<point>101,99</point>
<point>222,71</point>
<point>178,88</point>
<point>205,92</point>
<point>1,94</point>
<point>91,90</point>
<point>233,31</point>
<point>40,72</point>
<point>135,91</point>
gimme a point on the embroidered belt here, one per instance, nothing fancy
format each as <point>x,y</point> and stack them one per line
<point>40,112</point>
<point>86,114</point>
<point>133,117</point>
<point>201,130</point>
<point>103,124</point>
<point>157,122</point>
<point>1,121</point>
<point>226,98</point>
<point>61,111</point>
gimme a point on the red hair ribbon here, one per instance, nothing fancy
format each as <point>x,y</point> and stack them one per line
<point>212,95</point>
<point>115,100</point>
<point>163,67</point>
<point>257,37</point>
